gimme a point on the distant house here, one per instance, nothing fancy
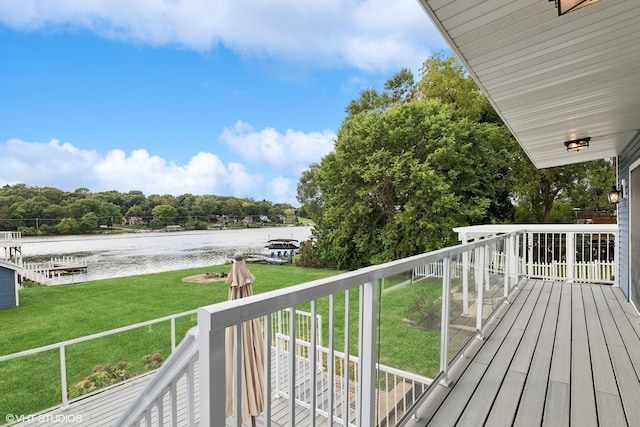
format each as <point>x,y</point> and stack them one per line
<point>8,284</point>
<point>133,220</point>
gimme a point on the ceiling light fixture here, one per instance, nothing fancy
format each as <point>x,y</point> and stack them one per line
<point>566,6</point>
<point>577,144</point>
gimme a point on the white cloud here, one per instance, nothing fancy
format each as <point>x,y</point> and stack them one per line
<point>68,167</point>
<point>371,35</point>
<point>292,151</point>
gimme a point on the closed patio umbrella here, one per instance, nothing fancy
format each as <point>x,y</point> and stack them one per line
<point>240,285</point>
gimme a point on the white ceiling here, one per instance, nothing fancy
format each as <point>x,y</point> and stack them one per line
<point>552,78</point>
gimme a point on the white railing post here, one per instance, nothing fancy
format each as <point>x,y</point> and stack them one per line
<point>313,369</point>
<point>616,259</point>
<point>237,375</point>
<point>212,365</point>
<point>292,366</point>
<point>368,322</point>
<point>480,256</point>
<point>529,247</point>
<point>506,266</point>
<point>267,332</point>
<point>444,324</point>
<point>465,282</point>
<point>63,377</point>
<point>331,361</point>
<point>173,334</point>
<point>516,259</point>
<point>571,256</point>
<point>346,369</point>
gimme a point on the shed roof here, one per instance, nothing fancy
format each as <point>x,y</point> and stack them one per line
<point>9,265</point>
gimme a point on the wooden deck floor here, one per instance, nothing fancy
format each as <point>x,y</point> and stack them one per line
<point>560,355</point>
<point>105,408</point>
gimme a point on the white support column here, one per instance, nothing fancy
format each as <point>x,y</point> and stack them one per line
<point>212,365</point>
<point>368,322</point>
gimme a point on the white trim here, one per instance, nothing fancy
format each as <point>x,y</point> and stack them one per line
<point>629,189</point>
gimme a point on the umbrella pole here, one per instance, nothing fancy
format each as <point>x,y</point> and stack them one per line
<point>253,421</point>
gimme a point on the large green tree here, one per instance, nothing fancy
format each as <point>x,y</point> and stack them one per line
<point>410,163</point>
<point>400,179</point>
<point>164,215</point>
<point>562,193</point>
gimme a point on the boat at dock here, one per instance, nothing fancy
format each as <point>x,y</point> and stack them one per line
<point>276,251</point>
<point>277,248</point>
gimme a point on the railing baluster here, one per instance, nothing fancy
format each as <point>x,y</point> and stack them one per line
<point>191,394</point>
<point>267,370</point>
<point>173,334</point>
<point>63,376</point>
<point>444,332</point>
<point>292,366</point>
<point>237,374</point>
<point>314,360</point>
<point>331,361</point>
<point>347,371</point>
<point>173,394</point>
<point>480,259</point>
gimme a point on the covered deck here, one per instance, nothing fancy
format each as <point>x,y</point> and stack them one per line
<point>558,354</point>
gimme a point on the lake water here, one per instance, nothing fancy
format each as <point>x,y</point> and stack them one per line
<point>118,255</point>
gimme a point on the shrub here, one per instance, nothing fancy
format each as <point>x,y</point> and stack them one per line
<point>153,361</point>
<point>102,376</point>
<point>106,375</point>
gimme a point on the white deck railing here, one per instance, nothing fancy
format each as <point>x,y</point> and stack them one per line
<point>473,278</point>
<point>469,282</point>
<point>358,407</point>
<point>174,389</point>
<point>583,253</point>
<point>61,347</point>
<point>14,237</point>
<point>174,383</point>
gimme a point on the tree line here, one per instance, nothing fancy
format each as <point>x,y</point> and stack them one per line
<point>48,210</point>
<point>424,156</point>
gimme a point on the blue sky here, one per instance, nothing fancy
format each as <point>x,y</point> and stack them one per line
<point>224,97</point>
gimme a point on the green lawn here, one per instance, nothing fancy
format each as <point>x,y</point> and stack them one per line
<point>48,315</point>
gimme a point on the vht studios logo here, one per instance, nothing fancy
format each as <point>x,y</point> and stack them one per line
<point>44,418</point>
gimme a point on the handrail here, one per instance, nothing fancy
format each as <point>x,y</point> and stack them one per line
<point>94,336</point>
<point>61,346</point>
<point>227,312</point>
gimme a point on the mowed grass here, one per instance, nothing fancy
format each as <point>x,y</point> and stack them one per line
<point>49,315</point>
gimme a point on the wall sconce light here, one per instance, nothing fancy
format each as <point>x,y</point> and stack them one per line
<point>577,144</point>
<point>566,6</point>
<point>615,195</point>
